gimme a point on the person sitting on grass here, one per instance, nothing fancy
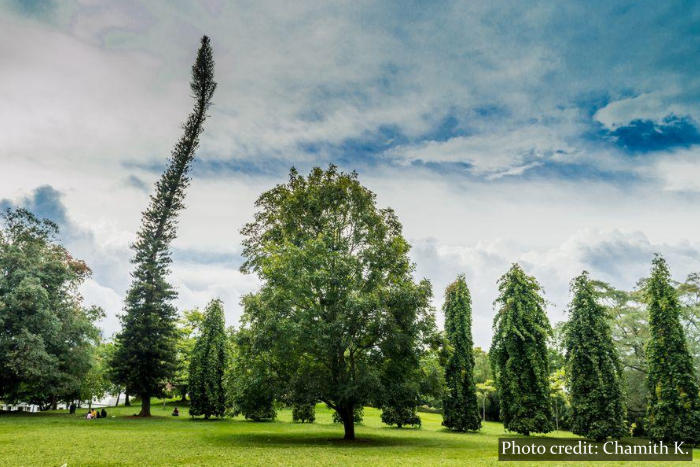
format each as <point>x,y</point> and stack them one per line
<point>176,413</point>
<point>94,413</point>
<point>103,413</point>
<point>89,416</point>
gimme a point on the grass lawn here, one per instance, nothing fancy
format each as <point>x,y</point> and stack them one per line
<point>56,438</point>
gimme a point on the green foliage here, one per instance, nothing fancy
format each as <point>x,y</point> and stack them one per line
<point>400,416</point>
<point>519,354</point>
<point>630,333</point>
<point>304,413</point>
<point>432,380</point>
<point>358,414</point>
<point>460,408</point>
<point>594,371</point>
<point>188,328</point>
<point>95,383</point>
<point>482,366</point>
<point>46,334</point>
<point>483,392</point>
<point>689,296</point>
<point>208,364</point>
<point>146,356</point>
<point>338,316</point>
<point>674,409</point>
<point>251,381</point>
<point>561,408</point>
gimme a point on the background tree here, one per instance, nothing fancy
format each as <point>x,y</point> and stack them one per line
<point>630,332</point>
<point>519,354</point>
<point>208,365</point>
<point>689,296</point>
<point>188,329</point>
<point>95,383</point>
<point>561,409</point>
<point>46,334</point>
<point>594,372</point>
<point>145,356</point>
<point>337,300</point>
<point>482,366</point>
<point>432,380</point>
<point>483,391</point>
<point>460,408</point>
<point>252,379</point>
<point>674,408</point>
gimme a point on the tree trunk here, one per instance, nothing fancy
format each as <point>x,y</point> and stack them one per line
<point>54,403</point>
<point>145,405</point>
<point>116,404</point>
<point>483,405</point>
<point>348,423</point>
<point>127,403</point>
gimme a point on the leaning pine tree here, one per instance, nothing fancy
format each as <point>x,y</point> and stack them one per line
<point>460,408</point>
<point>673,413</point>
<point>208,365</point>
<point>593,367</point>
<point>145,356</point>
<point>519,354</point>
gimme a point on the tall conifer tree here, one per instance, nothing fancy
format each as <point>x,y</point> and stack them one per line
<point>208,365</point>
<point>460,407</point>
<point>594,371</point>
<point>673,412</point>
<point>519,354</point>
<point>145,356</point>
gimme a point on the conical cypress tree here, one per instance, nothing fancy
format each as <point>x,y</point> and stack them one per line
<point>519,354</point>
<point>460,407</point>
<point>673,413</point>
<point>145,355</point>
<point>593,367</point>
<point>208,364</point>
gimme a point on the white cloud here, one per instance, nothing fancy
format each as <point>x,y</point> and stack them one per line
<point>103,85</point>
<point>495,153</point>
<point>681,172</point>
<point>648,106</point>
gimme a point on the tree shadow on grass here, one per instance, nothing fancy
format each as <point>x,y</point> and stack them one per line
<point>302,439</point>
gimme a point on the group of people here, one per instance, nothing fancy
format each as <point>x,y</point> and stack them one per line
<point>92,414</point>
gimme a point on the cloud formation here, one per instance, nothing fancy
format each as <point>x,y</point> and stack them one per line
<point>564,136</point>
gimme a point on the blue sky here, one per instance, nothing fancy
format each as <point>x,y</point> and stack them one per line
<point>564,135</point>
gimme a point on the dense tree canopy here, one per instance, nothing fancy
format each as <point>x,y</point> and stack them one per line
<point>188,329</point>
<point>208,365</point>
<point>519,354</point>
<point>674,408</point>
<point>46,334</point>
<point>460,409</point>
<point>146,356</point>
<point>338,318</point>
<point>594,371</point>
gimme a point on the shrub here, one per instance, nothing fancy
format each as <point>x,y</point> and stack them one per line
<point>304,413</point>
<point>400,416</point>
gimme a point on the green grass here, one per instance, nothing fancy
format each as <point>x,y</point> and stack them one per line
<point>56,438</point>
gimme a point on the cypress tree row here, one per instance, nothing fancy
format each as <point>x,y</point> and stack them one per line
<point>208,364</point>
<point>673,413</point>
<point>519,354</point>
<point>460,407</point>
<point>593,367</point>
<point>145,355</point>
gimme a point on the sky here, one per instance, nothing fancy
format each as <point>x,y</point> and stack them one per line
<point>561,135</point>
